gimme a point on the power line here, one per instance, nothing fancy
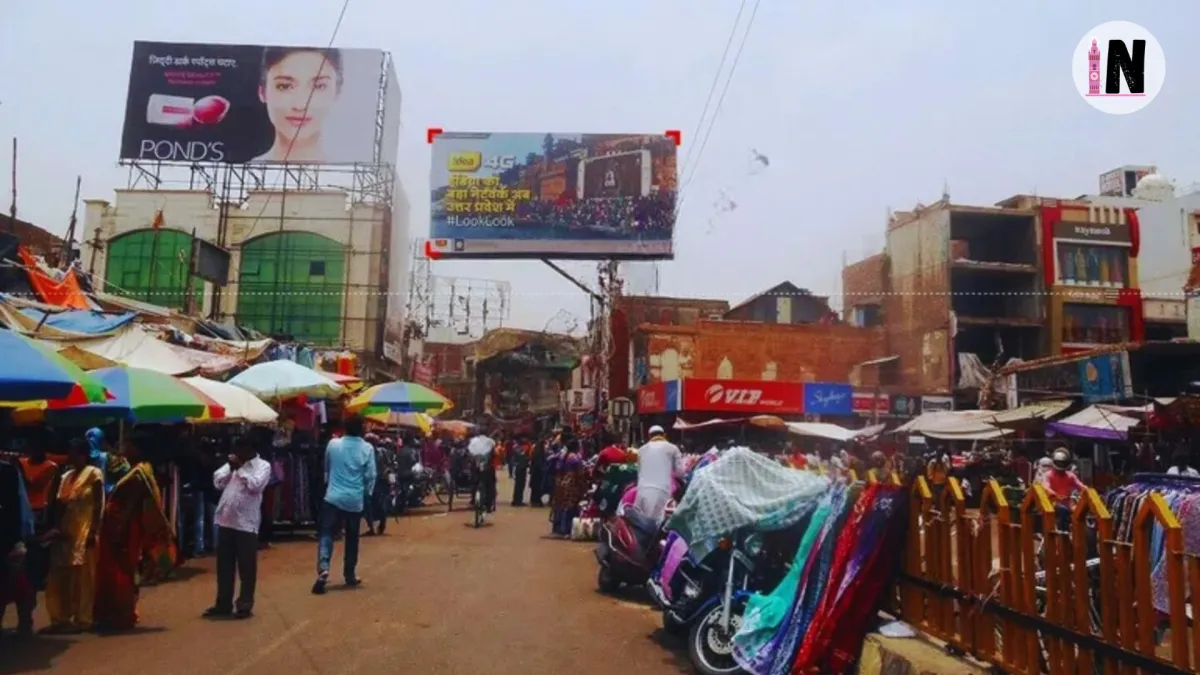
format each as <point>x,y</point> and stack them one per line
<point>717,110</point>
<point>324,61</point>
<point>712,90</point>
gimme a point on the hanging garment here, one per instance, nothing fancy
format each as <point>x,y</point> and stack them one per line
<point>743,489</point>
<point>756,642</point>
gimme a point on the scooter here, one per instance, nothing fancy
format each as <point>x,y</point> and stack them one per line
<point>630,544</point>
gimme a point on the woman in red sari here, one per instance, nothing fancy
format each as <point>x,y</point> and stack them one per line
<point>133,527</point>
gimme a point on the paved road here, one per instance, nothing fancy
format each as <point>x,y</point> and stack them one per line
<point>439,597</point>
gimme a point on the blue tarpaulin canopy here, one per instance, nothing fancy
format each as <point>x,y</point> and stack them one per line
<point>81,320</point>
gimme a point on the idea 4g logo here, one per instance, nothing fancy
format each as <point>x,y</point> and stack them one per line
<point>1118,67</point>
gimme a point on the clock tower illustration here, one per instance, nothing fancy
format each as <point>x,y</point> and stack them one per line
<point>1094,70</point>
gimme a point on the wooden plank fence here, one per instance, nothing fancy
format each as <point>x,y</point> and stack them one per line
<point>1006,586</point>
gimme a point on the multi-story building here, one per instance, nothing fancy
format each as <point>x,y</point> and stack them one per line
<point>304,264</point>
<point>955,286</point>
<point>628,369</point>
<point>1089,268</point>
<point>1167,220</point>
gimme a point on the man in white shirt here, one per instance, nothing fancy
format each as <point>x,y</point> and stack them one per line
<point>239,514</point>
<point>660,464</point>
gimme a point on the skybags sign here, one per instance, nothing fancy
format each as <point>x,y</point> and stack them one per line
<point>1118,67</point>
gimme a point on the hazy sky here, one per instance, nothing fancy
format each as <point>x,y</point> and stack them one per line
<point>860,106</point>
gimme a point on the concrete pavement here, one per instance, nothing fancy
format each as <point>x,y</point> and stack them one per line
<point>439,597</point>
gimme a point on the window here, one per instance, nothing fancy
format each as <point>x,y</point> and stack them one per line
<point>865,316</point>
<point>1095,324</point>
<point>1090,265</point>
<point>316,268</point>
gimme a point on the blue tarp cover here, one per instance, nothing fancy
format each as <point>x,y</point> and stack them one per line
<point>81,320</point>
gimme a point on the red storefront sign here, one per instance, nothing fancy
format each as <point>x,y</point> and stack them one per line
<point>747,396</point>
<point>867,403</point>
<point>652,398</point>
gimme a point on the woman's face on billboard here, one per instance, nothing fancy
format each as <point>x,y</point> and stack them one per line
<point>298,93</point>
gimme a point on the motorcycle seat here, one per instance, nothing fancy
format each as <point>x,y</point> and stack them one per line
<point>644,528</point>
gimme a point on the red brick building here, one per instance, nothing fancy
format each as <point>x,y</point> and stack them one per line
<point>752,350</point>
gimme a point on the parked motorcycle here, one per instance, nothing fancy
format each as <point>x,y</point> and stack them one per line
<point>707,600</point>
<point>629,549</point>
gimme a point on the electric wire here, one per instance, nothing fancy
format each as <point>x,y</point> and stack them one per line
<point>337,26</point>
<point>712,90</point>
<point>737,57</point>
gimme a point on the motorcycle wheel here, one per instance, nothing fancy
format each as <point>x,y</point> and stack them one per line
<point>441,492</point>
<point>709,649</point>
<point>606,582</point>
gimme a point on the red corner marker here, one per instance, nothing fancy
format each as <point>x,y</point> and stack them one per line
<point>673,134</point>
<point>431,252</point>
<point>433,132</point>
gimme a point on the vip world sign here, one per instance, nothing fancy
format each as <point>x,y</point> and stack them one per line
<point>1118,67</point>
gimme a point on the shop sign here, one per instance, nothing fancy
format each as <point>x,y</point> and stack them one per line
<point>906,406</point>
<point>1105,378</point>
<point>747,396</point>
<point>658,397</point>
<point>936,404</point>
<point>828,398</point>
<point>869,403</point>
<point>581,399</point>
<point>1115,233</point>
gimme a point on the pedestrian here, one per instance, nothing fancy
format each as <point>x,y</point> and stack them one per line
<point>133,529</point>
<point>241,481</point>
<point>660,466</point>
<point>520,461</point>
<point>350,476</point>
<point>537,474</point>
<point>16,534</point>
<point>71,585</point>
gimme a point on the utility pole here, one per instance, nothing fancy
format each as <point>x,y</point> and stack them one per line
<point>92,261</point>
<point>70,238</point>
<point>189,288</point>
<point>12,209</point>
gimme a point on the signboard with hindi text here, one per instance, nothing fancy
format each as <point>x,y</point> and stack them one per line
<point>547,195</point>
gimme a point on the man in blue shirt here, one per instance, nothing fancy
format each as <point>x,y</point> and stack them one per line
<point>349,475</point>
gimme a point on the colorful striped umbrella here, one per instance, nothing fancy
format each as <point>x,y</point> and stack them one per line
<point>142,396</point>
<point>31,371</point>
<point>399,397</point>
<point>419,421</point>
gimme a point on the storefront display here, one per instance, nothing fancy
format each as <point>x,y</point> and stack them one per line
<point>1095,324</point>
<point>1092,265</point>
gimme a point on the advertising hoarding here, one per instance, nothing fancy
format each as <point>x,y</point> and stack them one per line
<point>534,195</point>
<point>248,104</point>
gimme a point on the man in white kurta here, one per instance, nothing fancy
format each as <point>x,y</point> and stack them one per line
<point>660,464</point>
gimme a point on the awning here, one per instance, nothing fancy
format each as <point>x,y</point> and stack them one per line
<point>962,425</point>
<point>824,430</point>
<point>1042,410</point>
<point>1095,422</point>
<point>682,425</point>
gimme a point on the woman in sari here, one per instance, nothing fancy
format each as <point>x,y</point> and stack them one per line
<point>70,589</point>
<point>570,486</point>
<point>133,527</point>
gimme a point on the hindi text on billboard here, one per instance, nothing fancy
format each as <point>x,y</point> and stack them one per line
<point>522,195</point>
<point>210,103</point>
